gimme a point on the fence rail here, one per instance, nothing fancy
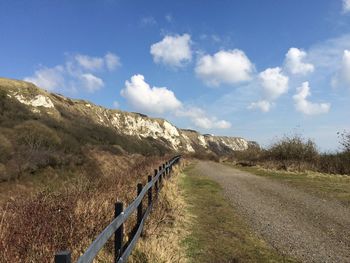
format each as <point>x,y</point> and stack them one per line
<point>115,228</point>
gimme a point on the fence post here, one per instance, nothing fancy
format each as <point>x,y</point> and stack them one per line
<point>157,183</point>
<point>150,191</point>
<point>164,173</point>
<point>139,208</point>
<point>119,233</point>
<point>160,177</point>
<point>63,257</point>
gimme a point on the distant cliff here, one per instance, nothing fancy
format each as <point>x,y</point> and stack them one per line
<point>133,127</point>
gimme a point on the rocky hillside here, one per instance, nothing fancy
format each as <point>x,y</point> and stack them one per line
<point>82,120</point>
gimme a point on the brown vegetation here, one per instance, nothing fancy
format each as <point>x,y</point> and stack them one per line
<point>70,215</point>
<point>295,153</point>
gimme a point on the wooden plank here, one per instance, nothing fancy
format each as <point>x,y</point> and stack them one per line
<point>132,244</point>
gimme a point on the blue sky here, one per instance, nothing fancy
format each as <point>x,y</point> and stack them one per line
<point>256,69</point>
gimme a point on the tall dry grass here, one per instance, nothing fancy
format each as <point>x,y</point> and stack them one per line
<point>33,228</point>
<point>166,227</point>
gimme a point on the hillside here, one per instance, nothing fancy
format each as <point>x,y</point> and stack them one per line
<point>42,129</point>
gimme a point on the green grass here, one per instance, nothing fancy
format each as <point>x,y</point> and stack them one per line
<point>217,233</point>
<point>323,185</point>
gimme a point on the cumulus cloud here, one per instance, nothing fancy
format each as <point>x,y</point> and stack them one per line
<point>295,63</point>
<point>306,107</point>
<point>273,82</point>
<point>201,119</point>
<point>342,77</point>
<point>48,78</point>
<point>142,97</point>
<point>346,6</point>
<point>230,67</point>
<point>262,105</point>
<point>78,72</point>
<point>173,51</point>
<point>149,99</point>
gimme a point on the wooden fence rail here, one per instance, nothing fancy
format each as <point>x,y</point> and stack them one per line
<point>121,253</point>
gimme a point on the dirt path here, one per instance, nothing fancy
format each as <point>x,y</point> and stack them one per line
<point>294,222</point>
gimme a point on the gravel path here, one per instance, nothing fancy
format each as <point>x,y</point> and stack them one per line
<point>296,223</point>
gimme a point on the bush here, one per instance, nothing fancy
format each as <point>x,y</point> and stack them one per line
<point>5,148</point>
<point>334,163</point>
<point>345,140</point>
<point>293,148</point>
<point>249,157</point>
<point>36,136</point>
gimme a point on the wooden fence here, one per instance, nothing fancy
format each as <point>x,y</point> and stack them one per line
<point>122,251</point>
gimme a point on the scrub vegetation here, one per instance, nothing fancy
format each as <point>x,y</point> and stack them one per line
<point>295,153</point>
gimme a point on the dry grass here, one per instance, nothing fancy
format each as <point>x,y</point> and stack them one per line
<point>69,212</point>
<point>165,229</point>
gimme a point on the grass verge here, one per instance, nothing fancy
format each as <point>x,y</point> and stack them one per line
<point>164,230</point>
<point>323,185</point>
<point>217,233</point>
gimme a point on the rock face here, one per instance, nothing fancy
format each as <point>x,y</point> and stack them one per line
<point>136,125</point>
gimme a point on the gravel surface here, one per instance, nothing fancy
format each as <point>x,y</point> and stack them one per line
<point>294,222</point>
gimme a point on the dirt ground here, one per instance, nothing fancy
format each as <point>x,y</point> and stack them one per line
<point>296,223</point>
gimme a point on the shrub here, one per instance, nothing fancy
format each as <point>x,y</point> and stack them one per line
<point>249,157</point>
<point>36,136</point>
<point>294,148</point>
<point>3,173</point>
<point>334,163</point>
<point>5,148</point>
<point>345,140</point>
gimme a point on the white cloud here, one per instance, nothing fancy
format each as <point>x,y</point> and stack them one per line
<point>273,82</point>
<point>149,99</point>
<point>295,64</point>
<point>305,106</point>
<point>201,119</point>
<point>262,105</point>
<point>173,51</point>
<point>112,61</point>
<point>345,69</point>
<point>230,67</point>
<point>91,82</point>
<point>342,77</point>
<point>75,74</point>
<point>48,78</point>
<point>346,6</point>
<point>89,63</point>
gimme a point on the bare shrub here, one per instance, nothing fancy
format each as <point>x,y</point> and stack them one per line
<point>293,151</point>
<point>5,148</point>
<point>36,136</point>
<point>345,140</point>
<point>249,157</point>
<point>334,163</point>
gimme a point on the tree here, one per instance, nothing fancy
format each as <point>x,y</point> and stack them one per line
<point>345,140</point>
